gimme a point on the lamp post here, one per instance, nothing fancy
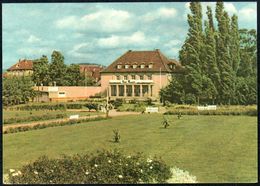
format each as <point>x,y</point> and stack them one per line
<point>107,107</point>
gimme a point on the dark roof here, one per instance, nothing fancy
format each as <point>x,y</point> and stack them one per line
<point>22,65</point>
<point>94,70</point>
<point>156,58</point>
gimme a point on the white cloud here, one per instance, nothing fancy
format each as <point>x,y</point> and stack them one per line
<point>247,14</point>
<point>33,39</point>
<point>136,39</point>
<point>66,22</point>
<point>80,51</point>
<point>106,20</point>
<point>161,13</point>
<point>31,51</point>
<point>230,8</point>
<point>173,43</point>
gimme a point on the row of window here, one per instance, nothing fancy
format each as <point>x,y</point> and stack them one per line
<point>134,66</point>
<point>141,77</point>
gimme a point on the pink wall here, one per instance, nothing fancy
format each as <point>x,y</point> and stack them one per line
<point>69,92</point>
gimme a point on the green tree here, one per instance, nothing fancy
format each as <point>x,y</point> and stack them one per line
<point>227,75</point>
<point>58,69</point>
<point>41,71</point>
<point>212,68</point>
<point>234,44</point>
<point>248,53</point>
<point>73,76</point>
<point>191,57</point>
<point>17,90</point>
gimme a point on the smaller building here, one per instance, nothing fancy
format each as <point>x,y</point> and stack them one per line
<point>91,70</point>
<point>65,93</point>
<point>21,68</point>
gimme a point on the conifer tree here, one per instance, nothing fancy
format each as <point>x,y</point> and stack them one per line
<point>234,44</point>
<point>193,48</point>
<point>227,86</point>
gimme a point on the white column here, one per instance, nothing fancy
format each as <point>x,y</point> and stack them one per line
<point>141,91</point>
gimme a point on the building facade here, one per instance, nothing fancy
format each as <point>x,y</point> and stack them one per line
<point>138,75</point>
<point>91,70</point>
<point>21,68</point>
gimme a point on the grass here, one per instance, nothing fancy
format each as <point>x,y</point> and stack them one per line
<point>212,148</point>
<point>8,114</point>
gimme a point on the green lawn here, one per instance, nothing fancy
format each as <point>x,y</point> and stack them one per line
<point>8,114</point>
<point>212,148</point>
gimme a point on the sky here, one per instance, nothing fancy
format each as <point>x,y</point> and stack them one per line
<point>101,32</point>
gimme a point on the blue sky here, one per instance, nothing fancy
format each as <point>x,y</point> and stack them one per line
<point>101,32</point>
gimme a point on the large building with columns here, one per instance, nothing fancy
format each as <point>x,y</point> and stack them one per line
<point>138,75</point>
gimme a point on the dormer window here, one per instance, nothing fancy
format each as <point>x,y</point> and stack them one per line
<point>135,66</point>
<point>126,66</point>
<point>172,66</point>
<point>142,65</point>
<point>150,65</point>
<point>119,66</point>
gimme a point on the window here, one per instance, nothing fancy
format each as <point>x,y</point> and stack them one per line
<point>133,76</point>
<point>118,77</point>
<point>119,66</point>
<point>125,77</point>
<point>149,77</point>
<point>141,77</point>
<point>172,66</point>
<point>126,66</point>
<point>61,94</point>
<point>150,66</point>
<point>134,66</point>
<point>142,66</point>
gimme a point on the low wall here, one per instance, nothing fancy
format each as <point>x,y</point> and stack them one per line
<point>66,93</point>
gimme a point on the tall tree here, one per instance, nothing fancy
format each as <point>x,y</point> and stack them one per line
<point>41,71</point>
<point>227,86</point>
<point>57,68</point>
<point>234,44</point>
<point>193,47</point>
<point>248,53</point>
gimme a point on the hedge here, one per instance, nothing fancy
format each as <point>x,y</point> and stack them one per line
<point>52,124</point>
<point>221,110</point>
<point>34,118</point>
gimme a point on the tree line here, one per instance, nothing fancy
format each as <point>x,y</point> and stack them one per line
<point>17,90</point>
<point>219,60</point>
<point>58,73</point>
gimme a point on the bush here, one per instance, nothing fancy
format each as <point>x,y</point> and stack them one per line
<point>221,110</point>
<point>91,106</point>
<point>117,103</point>
<point>53,124</point>
<point>34,118</point>
<point>101,167</point>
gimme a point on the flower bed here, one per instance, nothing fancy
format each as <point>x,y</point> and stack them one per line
<point>102,167</point>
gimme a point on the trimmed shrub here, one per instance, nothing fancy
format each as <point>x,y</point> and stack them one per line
<point>53,124</point>
<point>221,110</point>
<point>99,168</point>
<point>34,118</point>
